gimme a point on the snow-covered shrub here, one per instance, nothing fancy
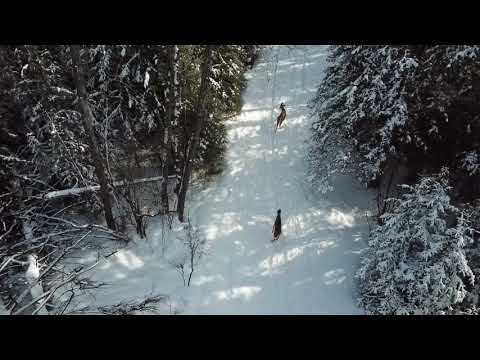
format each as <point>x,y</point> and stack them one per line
<point>415,262</point>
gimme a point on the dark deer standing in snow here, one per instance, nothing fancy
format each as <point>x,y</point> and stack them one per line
<point>281,117</point>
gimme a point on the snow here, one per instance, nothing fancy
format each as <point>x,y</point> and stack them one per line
<point>310,269</point>
<point>147,79</point>
<point>24,67</point>
<point>32,274</point>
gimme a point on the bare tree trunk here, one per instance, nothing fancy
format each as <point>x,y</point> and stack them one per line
<point>172,51</point>
<point>200,114</point>
<point>192,258</point>
<point>382,205</point>
<point>88,121</point>
<point>27,231</point>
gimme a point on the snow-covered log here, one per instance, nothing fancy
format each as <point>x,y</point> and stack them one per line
<point>77,191</point>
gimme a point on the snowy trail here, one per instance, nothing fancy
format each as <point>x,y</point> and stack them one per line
<point>310,269</point>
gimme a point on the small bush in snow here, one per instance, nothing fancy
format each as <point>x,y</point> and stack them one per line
<point>194,247</point>
<point>415,262</point>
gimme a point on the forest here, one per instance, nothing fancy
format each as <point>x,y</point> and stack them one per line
<point>145,179</point>
<point>81,127</point>
<point>407,121</point>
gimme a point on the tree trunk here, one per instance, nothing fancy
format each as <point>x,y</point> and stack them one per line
<point>21,195</point>
<point>170,120</point>
<point>192,258</point>
<point>88,121</point>
<point>200,114</point>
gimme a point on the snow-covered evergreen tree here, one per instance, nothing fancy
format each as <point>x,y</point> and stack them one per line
<point>416,104</point>
<point>362,111</point>
<point>415,262</point>
<point>226,84</point>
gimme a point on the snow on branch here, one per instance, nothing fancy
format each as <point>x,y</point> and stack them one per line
<point>77,191</point>
<point>415,262</point>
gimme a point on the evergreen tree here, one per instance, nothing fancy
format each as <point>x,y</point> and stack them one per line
<point>415,262</point>
<point>413,104</point>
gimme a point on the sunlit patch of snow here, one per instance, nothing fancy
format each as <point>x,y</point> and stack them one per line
<point>320,54</point>
<point>222,225</point>
<point>333,277</point>
<point>297,120</point>
<point>261,219</point>
<point>357,237</point>
<point>251,113</point>
<point>201,280</point>
<point>323,245</point>
<point>302,282</point>
<point>211,232</point>
<point>120,276</point>
<point>247,131</point>
<point>285,62</point>
<point>129,259</point>
<point>106,265</point>
<point>280,259</point>
<point>301,66</point>
<point>244,292</point>
<point>340,219</point>
<point>282,150</point>
<point>240,247</point>
<point>236,167</point>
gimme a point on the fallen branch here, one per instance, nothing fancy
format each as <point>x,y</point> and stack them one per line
<point>124,308</point>
<point>32,241</point>
<point>8,231</point>
<point>100,228</point>
<point>113,253</point>
<point>76,191</point>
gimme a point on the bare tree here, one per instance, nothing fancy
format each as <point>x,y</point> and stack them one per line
<point>199,120</point>
<point>133,208</point>
<point>88,121</point>
<point>194,249</point>
<point>179,265</point>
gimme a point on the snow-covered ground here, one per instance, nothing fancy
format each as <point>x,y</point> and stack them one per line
<point>310,269</point>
